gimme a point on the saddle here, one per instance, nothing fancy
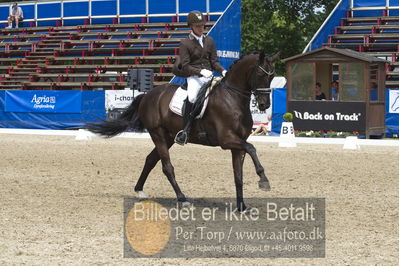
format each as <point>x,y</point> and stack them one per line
<point>178,101</point>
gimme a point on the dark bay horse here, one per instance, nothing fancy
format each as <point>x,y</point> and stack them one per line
<point>227,121</point>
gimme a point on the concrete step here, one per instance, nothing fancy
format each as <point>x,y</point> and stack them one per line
<point>15,87</point>
<point>13,81</point>
<point>20,78</point>
<point>36,57</point>
<point>28,65</point>
<point>33,61</point>
<point>51,41</point>
<point>41,53</point>
<point>26,69</point>
<point>45,49</point>
<point>58,33</point>
<point>53,38</point>
<point>21,75</point>
<point>44,45</point>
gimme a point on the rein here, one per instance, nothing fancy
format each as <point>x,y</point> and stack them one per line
<point>241,92</point>
<point>247,94</point>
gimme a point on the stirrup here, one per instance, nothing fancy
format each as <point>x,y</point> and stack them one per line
<point>181,137</point>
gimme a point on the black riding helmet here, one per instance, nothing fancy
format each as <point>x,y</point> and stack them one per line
<point>195,18</point>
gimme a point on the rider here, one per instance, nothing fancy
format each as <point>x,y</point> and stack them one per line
<point>198,59</point>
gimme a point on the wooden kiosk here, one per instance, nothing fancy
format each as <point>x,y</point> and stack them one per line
<point>356,105</point>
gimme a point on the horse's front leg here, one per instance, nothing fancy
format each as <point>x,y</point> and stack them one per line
<point>238,160</point>
<point>263,182</point>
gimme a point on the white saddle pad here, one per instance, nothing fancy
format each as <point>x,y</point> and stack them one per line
<point>176,104</point>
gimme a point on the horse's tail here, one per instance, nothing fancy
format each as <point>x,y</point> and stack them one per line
<point>128,119</point>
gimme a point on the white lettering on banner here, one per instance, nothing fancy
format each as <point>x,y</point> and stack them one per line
<point>394,101</point>
<point>329,117</point>
<point>298,115</point>
<point>352,117</point>
<point>118,98</point>
<point>124,98</point>
<point>43,99</point>
<point>48,100</point>
<point>228,54</point>
<point>44,106</point>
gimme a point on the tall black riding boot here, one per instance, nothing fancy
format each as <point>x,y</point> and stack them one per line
<point>188,117</point>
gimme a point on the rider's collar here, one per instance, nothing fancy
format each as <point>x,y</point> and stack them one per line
<point>192,36</point>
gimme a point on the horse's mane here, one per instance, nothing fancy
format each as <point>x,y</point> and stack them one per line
<point>243,56</point>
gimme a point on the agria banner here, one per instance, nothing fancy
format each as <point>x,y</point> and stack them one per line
<point>43,101</point>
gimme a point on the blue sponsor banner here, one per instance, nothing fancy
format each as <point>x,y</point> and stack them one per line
<point>43,101</point>
<point>279,108</point>
<point>392,112</point>
<point>227,34</point>
<point>92,110</point>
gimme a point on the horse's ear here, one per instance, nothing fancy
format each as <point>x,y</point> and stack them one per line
<point>275,57</point>
<point>261,57</point>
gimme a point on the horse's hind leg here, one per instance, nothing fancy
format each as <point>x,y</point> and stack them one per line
<point>263,182</point>
<point>150,162</point>
<point>162,146</point>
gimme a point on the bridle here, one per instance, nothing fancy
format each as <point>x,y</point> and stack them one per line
<point>255,91</point>
<point>267,72</point>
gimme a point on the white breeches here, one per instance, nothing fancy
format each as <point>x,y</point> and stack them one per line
<point>194,84</point>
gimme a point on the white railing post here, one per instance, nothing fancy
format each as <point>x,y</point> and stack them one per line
<point>177,11</point>
<point>62,12</point>
<point>90,12</point>
<point>147,10</point>
<point>118,9</point>
<point>35,18</point>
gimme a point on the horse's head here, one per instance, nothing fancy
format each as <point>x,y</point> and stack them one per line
<point>263,75</point>
<point>253,73</point>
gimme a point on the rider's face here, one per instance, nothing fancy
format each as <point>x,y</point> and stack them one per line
<point>198,29</point>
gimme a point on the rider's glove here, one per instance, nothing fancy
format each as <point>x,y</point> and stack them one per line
<point>206,73</point>
<point>224,73</point>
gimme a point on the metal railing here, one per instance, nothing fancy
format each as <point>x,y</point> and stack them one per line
<point>147,15</point>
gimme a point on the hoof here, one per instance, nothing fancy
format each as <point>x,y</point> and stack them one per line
<point>186,204</point>
<point>142,195</point>
<point>247,210</point>
<point>264,185</point>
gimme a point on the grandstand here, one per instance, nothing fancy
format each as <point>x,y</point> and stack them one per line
<point>370,27</point>
<point>88,47</point>
<point>89,56</point>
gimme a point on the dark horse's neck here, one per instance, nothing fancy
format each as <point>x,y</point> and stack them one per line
<point>238,79</point>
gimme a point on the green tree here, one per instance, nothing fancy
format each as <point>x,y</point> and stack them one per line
<point>281,25</point>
